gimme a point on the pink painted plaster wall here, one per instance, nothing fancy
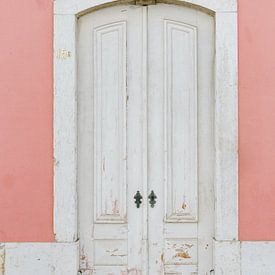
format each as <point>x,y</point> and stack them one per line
<point>26,127</point>
<point>257,119</point>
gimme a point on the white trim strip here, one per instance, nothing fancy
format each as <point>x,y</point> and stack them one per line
<point>226,127</point>
<point>65,129</point>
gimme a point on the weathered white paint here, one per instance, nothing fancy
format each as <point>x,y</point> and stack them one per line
<point>228,258</point>
<point>111,139</point>
<point>225,116</point>
<point>41,258</point>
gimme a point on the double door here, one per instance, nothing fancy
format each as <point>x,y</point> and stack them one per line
<point>145,140</point>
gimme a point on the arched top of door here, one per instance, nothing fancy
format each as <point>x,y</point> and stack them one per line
<point>80,7</point>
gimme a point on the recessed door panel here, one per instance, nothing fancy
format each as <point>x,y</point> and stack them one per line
<point>109,106</point>
<point>180,121</point>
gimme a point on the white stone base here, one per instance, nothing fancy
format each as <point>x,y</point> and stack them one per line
<point>39,259</point>
<point>244,258</point>
<point>227,257</point>
<point>258,258</point>
<point>231,258</point>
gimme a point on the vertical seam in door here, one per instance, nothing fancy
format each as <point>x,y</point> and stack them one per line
<point>145,136</point>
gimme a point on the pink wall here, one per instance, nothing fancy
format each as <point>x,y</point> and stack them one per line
<point>257,119</point>
<point>26,159</point>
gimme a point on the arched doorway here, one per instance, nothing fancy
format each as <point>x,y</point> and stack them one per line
<point>145,129</point>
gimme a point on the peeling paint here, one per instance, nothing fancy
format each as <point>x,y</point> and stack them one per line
<point>84,263</point>
<point>183,255</point>
<point>116,253</point>
<point>184,205</point>
<point>188,245</point>
<point>162,258</point>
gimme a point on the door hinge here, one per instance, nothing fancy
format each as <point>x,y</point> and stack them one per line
<point>145,2</point>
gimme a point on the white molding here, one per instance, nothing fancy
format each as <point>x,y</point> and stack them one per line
<point>65,129</point>
<point>79,6</point>
<point>226,114</point>
<point>226,127</point>
<point>40,258</point>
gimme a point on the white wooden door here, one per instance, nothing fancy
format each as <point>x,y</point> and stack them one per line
<point>145,105</point>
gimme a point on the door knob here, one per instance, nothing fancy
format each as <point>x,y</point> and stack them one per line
<point>152,199</point>
<point>138,199</point>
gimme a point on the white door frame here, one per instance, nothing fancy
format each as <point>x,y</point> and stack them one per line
<point>226,122</point>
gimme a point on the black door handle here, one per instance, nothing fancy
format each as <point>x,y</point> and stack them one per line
<point>152,199</point>
<point>138,199</point>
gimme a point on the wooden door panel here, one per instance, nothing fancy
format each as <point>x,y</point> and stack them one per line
<point>110,147</point>
<point>180,139</point>
<point>110,252</point>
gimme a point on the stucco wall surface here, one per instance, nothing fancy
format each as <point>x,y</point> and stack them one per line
<point>26,128</point>
<point>256,120</point>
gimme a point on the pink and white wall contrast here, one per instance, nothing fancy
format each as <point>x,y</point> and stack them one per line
<point>26,123</point>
